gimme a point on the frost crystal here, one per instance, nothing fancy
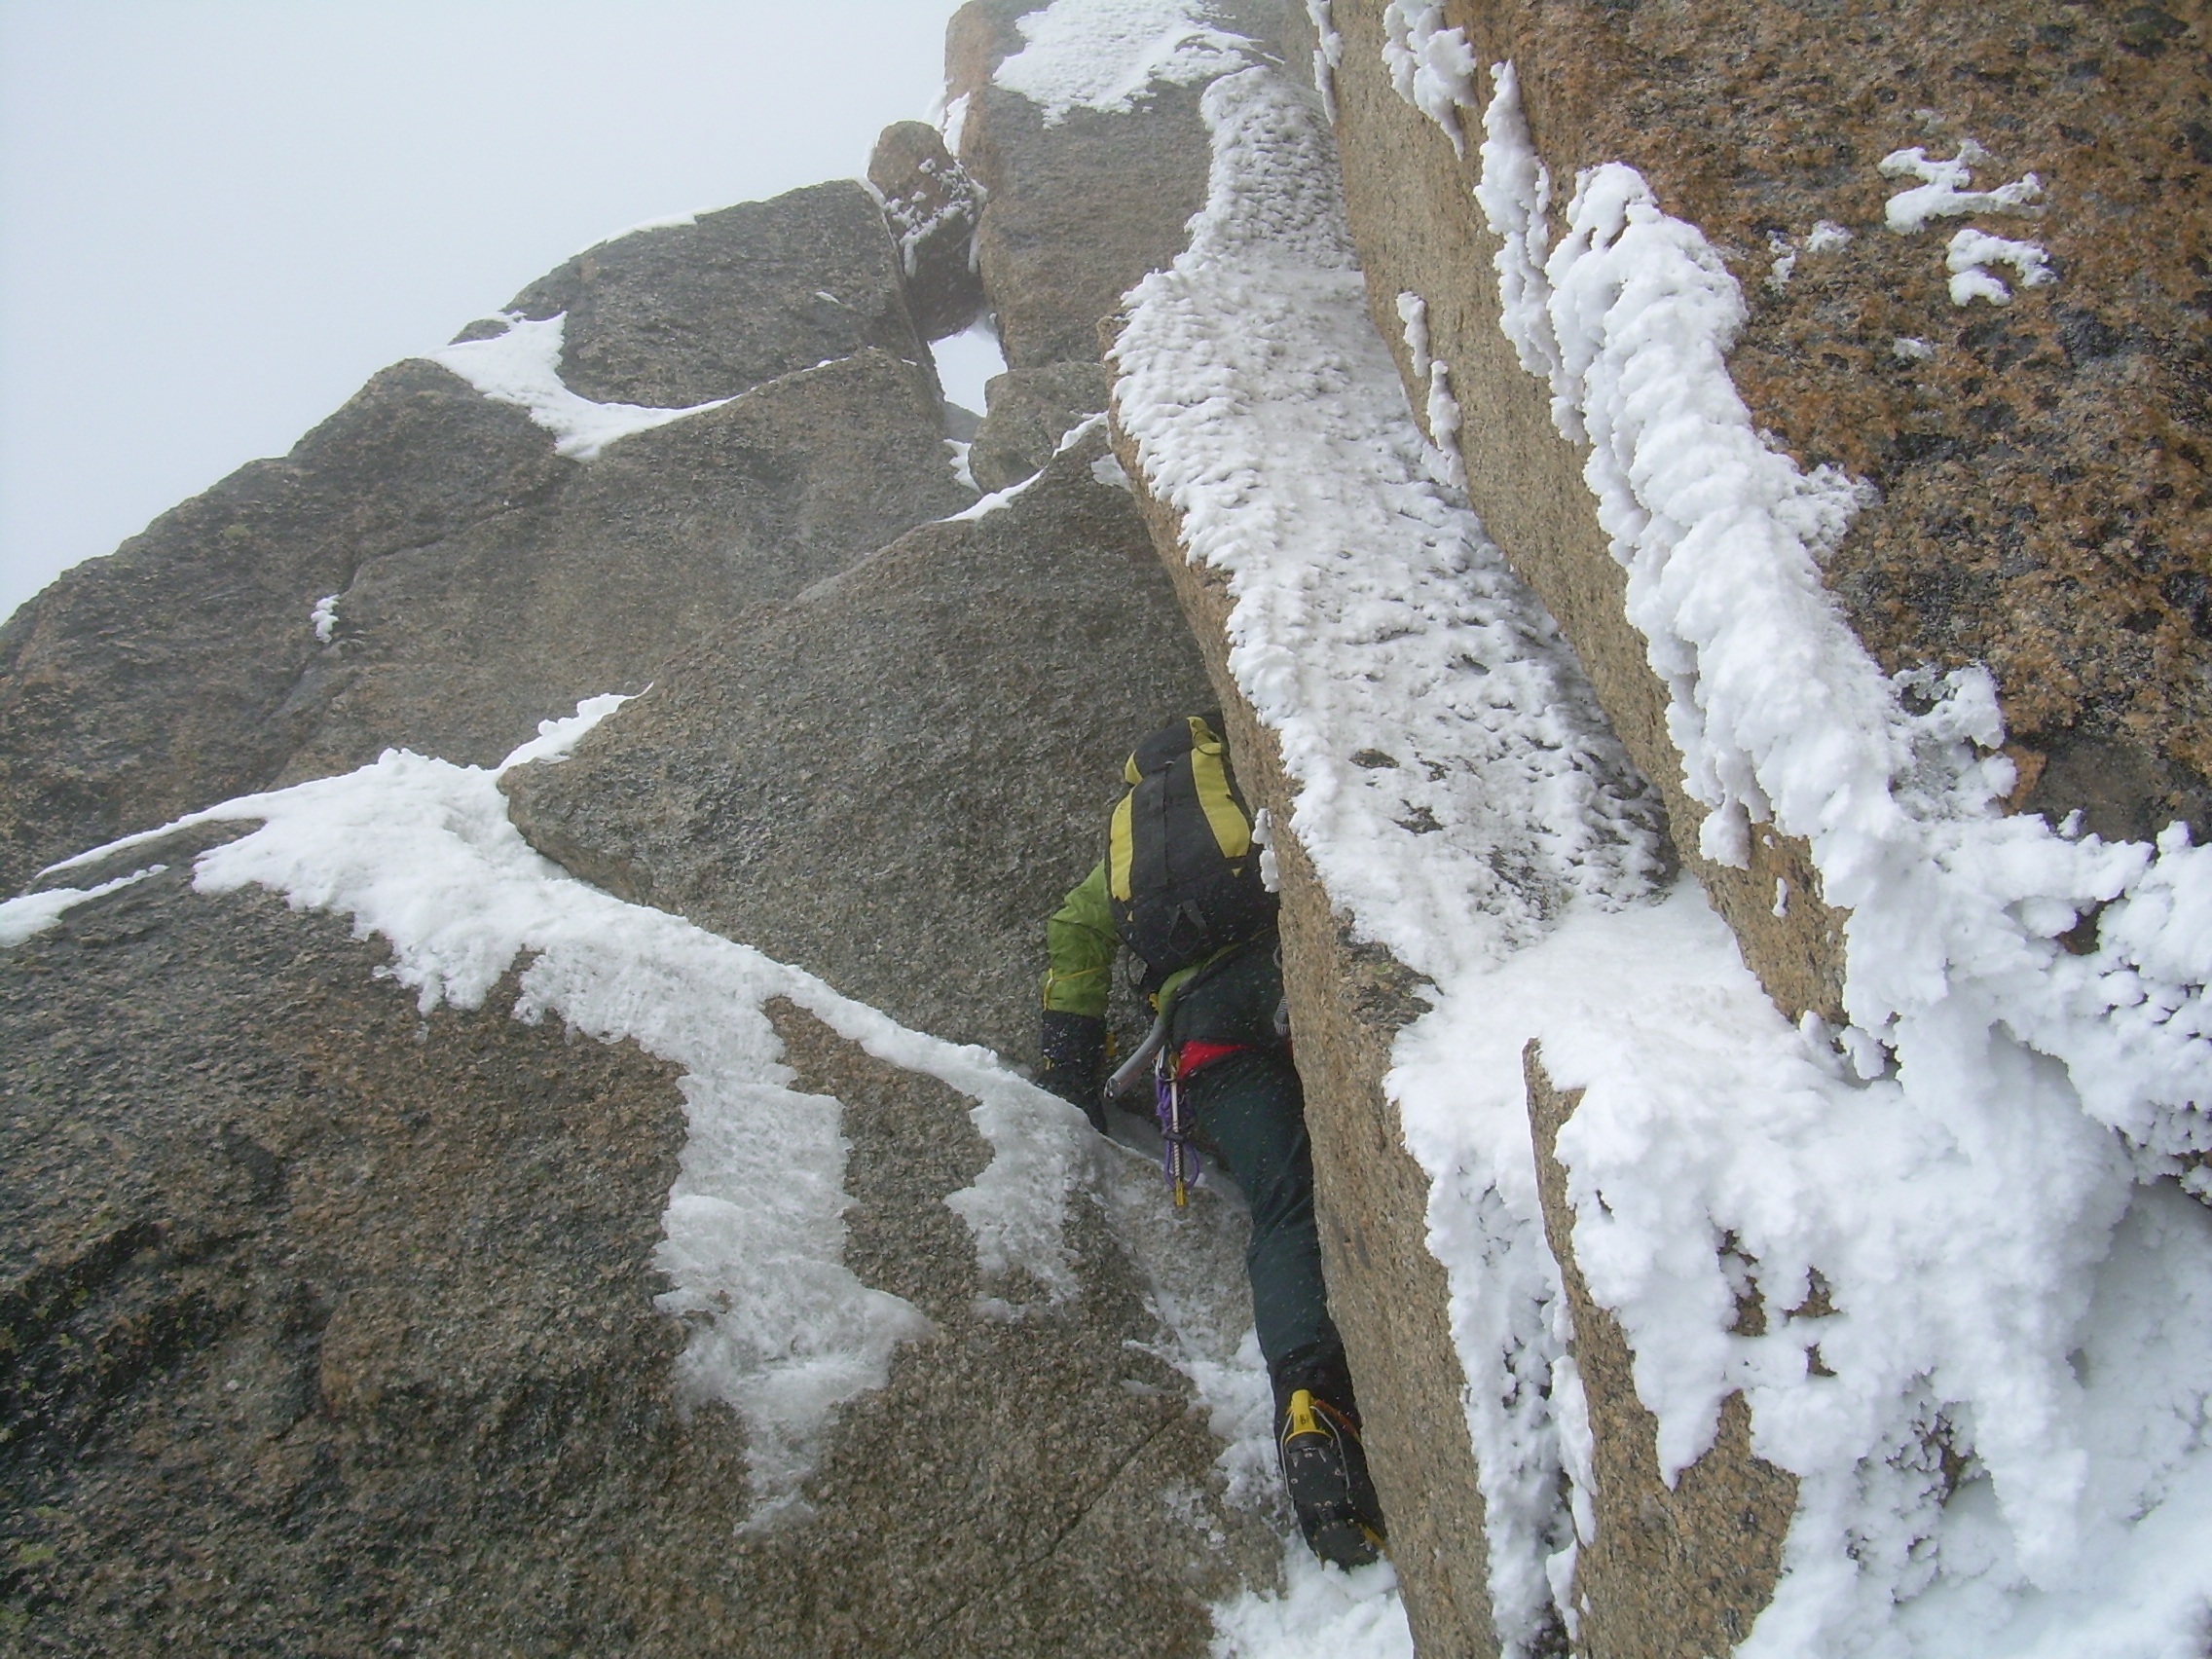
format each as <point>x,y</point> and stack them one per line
<point>1944,193</point>
<point>1432,67</point>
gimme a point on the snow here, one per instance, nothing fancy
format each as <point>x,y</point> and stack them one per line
<point>1371,616</point>
<point>1323,1613</point>
<point>1328,54</point>
<point>1006,498</point>
<point>421,852</point>
<point>1373,619</point>
<point>1106,54</point>
<point>33,913</point>
<point>2051,1342</point>
<point>1194,1270</point>
<point>1971,252</point>
<point>913,222</point>
<point>1442,409</point>
<point>957,454</point>
<point>967,362</point>
<point>323,618</point>
<point>1514,190</point>
<point>1943,192</point>
<point>954,125</point>
<point>1432,67</point>
<point>1706,1115</point>
<point>523,367</point>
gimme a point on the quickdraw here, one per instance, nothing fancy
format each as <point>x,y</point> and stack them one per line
<point>1178,1158</point>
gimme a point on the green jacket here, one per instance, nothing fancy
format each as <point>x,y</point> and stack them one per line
<point>1081,944</point>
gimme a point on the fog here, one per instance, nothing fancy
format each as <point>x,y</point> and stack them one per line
<point>218,217</point>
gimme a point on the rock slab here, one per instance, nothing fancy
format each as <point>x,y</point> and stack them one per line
<point>894,778</point>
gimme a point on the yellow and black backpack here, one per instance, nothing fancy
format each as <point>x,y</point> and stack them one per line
<point>1182,872</point>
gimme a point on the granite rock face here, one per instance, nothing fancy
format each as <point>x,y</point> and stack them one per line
<point>2038,464</point>
<point>1081,204</point>
<point>331,1325</point>
<point>677,315</point>
<point>932,205</point>
<point>2038,493</point>
<point>892,779</point>
<point>1029,411</point>
<point>330,1331</point>
<point>458,648</point>
<point>148,683</point>
<point>483,582</point>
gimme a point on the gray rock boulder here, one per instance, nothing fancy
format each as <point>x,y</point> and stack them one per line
<point>1028,412</point>
<point>892,779</point>
<point>677,315</point>
<point>932,205</point>
<point>458,647</point>
<point>482,583</point>
<point>1079,207</point>
<point>147,684</point>
<point>330,1331</point>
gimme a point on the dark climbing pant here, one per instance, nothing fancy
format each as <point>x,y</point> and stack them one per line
<point>1249,1111</point>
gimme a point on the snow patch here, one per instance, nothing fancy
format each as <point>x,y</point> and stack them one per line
<point>33,913</point>
<point>1972,252</point>
<point>1323,1613</point>
<point>954,125</point>
<point>1106,54</point>
<point>915,222</point>
<point>1514,190</point>
<point>1442,408</point>
<point>1328,54</point>
<point>523,367</point>
<point>1371,614</point>
<point>421,852</point>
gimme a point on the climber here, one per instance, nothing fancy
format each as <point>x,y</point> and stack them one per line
<point>1181,887</point>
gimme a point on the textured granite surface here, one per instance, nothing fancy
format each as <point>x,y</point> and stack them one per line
<point>894,778</point>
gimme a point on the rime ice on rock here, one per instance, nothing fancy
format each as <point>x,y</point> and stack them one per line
<point>1105,55</point>
<point>1988,1058</point>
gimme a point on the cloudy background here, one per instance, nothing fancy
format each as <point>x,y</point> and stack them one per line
<point>218,217</point>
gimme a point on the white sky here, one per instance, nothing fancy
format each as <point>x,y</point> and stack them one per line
<point>218,217</point>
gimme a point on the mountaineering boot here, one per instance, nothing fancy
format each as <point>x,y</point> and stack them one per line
<point>1324,1468</point>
